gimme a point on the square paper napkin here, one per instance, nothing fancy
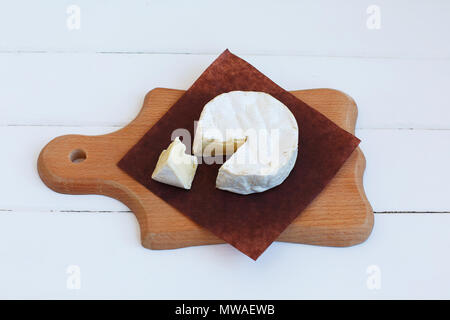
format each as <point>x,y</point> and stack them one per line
<point>248,222</point>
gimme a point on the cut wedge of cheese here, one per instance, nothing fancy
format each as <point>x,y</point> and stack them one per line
<point>257,130</point>
<point>175,167</point>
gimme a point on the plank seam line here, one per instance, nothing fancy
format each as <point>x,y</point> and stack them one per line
<point>260,54</point>
<point>129,211</point>
<point>412,212</point>
<point>121,125</point>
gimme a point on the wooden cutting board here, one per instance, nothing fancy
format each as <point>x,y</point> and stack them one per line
<point>75,164</point>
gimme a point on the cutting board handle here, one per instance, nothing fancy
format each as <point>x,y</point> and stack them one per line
<point>72,163</point>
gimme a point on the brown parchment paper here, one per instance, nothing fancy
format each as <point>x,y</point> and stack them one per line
<point>248,222</point>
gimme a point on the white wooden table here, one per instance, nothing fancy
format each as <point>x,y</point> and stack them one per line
<point>57,79</point>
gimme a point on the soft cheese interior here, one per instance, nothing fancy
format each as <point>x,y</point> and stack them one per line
<point>175,167</point>
<point>258,131</point>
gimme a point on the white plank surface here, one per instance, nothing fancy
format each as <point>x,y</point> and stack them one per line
<point>54,81</point>
<point>325,27</point>
<point>407,170</point>
<point>38,247</point>
<point>108,89</point>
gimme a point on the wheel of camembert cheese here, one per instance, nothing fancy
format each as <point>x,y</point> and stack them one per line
<point>257,130</point>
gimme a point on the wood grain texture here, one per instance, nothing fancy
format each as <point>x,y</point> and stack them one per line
<point>339,216</point>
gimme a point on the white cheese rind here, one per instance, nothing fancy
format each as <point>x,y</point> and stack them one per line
<point>175,167</point>
<point>231,181</point>
<point>248,115</point>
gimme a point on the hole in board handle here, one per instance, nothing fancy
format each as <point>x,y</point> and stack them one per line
<point>77,156</point>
